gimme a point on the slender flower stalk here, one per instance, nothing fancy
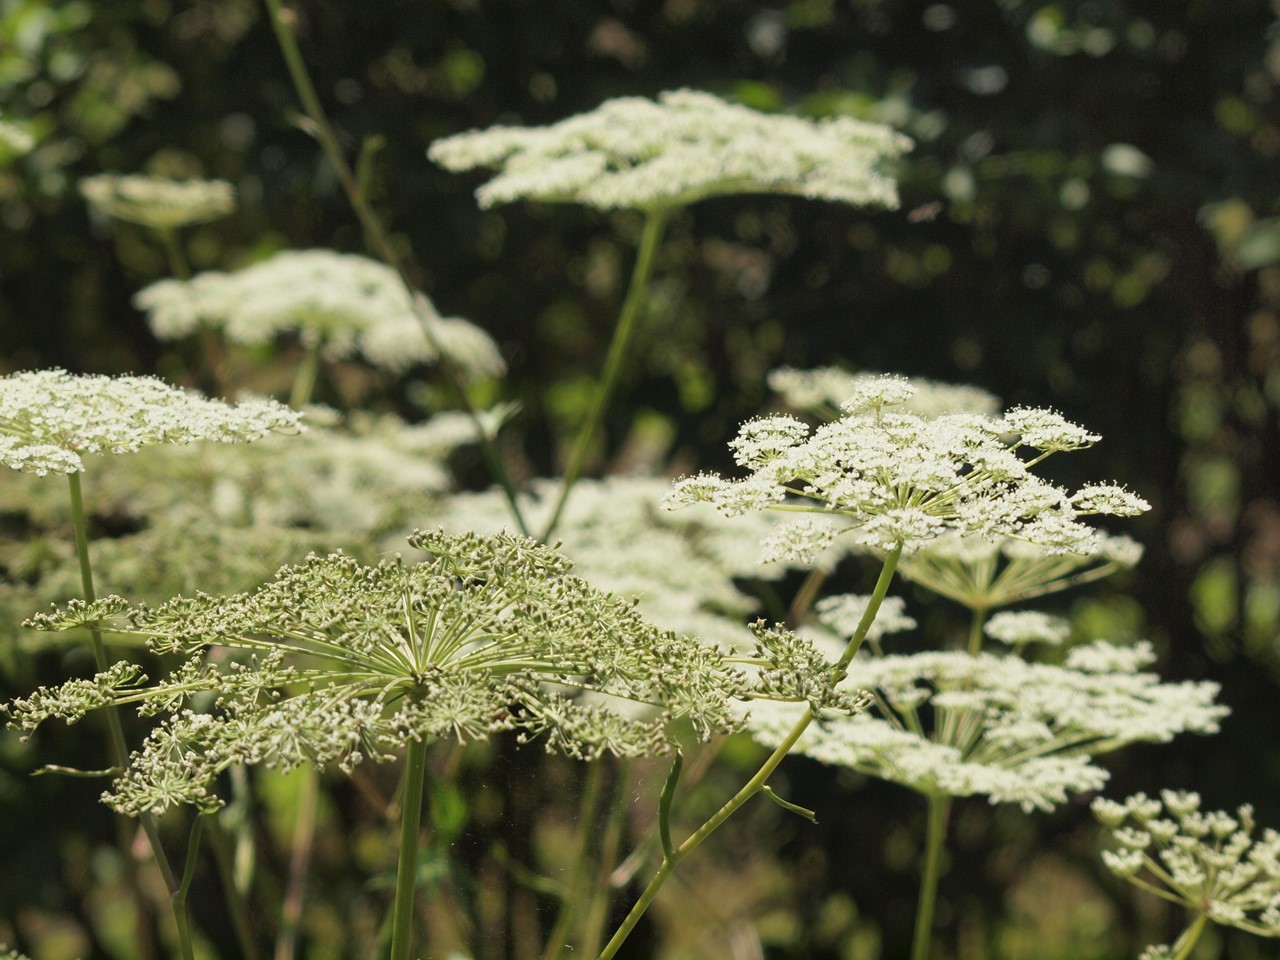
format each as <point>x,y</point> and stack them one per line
<point>935,844</point>
<point>760,780</point>
<point>282,24</point>
<point>1209,862</point>
<point>632,153</point>
<point>650,239</point>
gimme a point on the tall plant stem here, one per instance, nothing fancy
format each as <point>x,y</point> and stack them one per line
<point>757,782</point>
<point>578,888</point>
<point>120,751</point>
<point>935,842</point>
<point>650,239</point>
<point>415,775</point>
<point>1183,946</point>
<point>376,235</point>
<point>178,265</point>
<point>976,622</point>
<point>304,835</point>
<point>601,890</point>
<point>304,380</point>
<point>178,897</point>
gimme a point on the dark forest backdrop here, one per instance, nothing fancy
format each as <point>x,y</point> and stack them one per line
<point>1087,224</point>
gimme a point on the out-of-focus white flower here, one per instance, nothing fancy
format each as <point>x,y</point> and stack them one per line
<point>640,154</point>
<point>346,303</point>
<point>823,390</point>
<point>157,202</point>
<point>949,723</point>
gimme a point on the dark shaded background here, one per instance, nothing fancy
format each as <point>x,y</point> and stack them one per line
<point>1084,225</point>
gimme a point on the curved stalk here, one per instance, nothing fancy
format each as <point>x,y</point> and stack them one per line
<point>415,775</point>
<point>650,239</point>
<point>756,783</point>
<point>282,24</point>
<point>935,842</point>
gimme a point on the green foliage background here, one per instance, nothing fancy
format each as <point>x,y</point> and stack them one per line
<point>1088,223</point>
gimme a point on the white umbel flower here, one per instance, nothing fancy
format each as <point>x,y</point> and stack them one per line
<point>954,724</point>
<point>157,202</point>
<point>346,303</point>
<point>49,419</point>
<point>1211,863</point>
<point>635,153</point>
<point>902,480</point>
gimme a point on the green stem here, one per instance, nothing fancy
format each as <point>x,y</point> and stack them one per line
<point>600,892</point>
<point>757,782</point>
<point>415,775</point>
<point>303,841</point>
<point>650,239</point>
<point>220,845</point>
<point>120,752</point>
<point>577,891</point>
<point>178,898</point>
<point>935,841</point>
<point>1183,946</point>
<point>282,24</point>
<point>975,630</point>
<point>173,252</point>
<point>304,380</point>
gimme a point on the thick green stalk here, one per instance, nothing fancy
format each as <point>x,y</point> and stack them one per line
<point>935,843</point>
<point>976,622</point>
<point>650,240</point>
<point>1183,946</point>
<point>415,775</point>
<point>304,380</point>
<point>120,751</point>
<point>757,782</point>
<point>282,24</point>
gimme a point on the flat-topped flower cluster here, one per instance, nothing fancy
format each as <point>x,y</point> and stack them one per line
<point>900,479</point>
<point>343,302</point>
<point>951,723</point>
<point>342,662</point>
<point>157,202</point>
<point>1209,861</point>
<point>50,419</point>
<point>640,154</point>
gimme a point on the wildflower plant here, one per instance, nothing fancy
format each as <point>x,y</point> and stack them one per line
<point>1210,862</point>
<point>51,421</point>
<point>337,304</point>
<point>157,202</point>
<point>341,662</point>
<point>657,157</point>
